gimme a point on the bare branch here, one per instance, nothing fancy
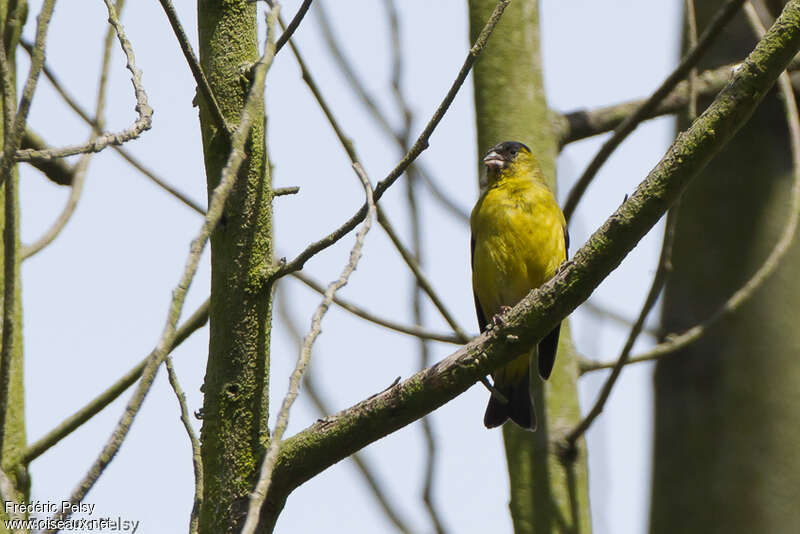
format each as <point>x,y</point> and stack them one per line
<point>674,342</point>
<point>82,167</point>
<point>197,460</point>
<point>215,211</point>
<point>194,323</point>
<point>310,386</point>
<point>662,271</point>
<point>267,467</point>
<point>581,124</point>
<point>58,171</point>
<point>292,27</point>
<point>420,277</point>
<point>415,331</point>
<point>194,65</point>
<point>380,117</point>
<point>328,441</point>
<point>143,109</point>
<point>282,191</point>
<point>421,144</point>
<point>720,20</point>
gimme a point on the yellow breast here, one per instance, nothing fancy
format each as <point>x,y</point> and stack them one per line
<point>518,233</point>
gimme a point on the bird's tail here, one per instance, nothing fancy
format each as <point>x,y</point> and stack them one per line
<point>519,407</point>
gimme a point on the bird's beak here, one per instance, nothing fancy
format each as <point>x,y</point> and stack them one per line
<point>493,160</point>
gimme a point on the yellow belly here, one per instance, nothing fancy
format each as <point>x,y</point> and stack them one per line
<point>518,233</point>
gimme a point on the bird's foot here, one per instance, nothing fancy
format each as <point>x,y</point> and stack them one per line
<point>497,319</point>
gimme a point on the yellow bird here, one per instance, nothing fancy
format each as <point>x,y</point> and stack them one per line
<point>519,240</point>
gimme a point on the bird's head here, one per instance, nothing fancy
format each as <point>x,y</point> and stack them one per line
<point>509,159</point>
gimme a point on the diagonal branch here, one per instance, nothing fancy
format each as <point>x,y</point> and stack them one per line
<point>194,65</point>
<point>581,124</point>
<point>419,146</point>
<point>415,331</point>
<point>293,25</point>
<point>310,386</point>
<point>326,442</point>
<point>143,109</point>
<point>675,342</point>
<point>197,320</point>
<point>720,20</point>
<point>268,465</point>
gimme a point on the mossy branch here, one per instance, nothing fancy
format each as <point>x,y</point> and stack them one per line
<point>334,438</point>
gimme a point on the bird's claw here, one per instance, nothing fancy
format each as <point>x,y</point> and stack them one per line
<point>497,319</point>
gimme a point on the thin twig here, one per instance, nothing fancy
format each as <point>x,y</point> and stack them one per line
<point>282,191</point>
<point>14,133</point>
<point>194,323</point>
<point>215,211</point>
<point>674,342</point>
<point>293,25</point>
<point>328,441</point>
<point>415,331</point>
<point>720,20</point>
<point>81,168</point>
<point>662,271</point>
<point>267,467</point>
<point>379,116</point>
<point>416,242</point>
<point>581,124</point>
<point>350,149</point>
<point>345,141</point>
<point>197,461</point>
<point>691,19</point>
<point>57,171</point>
<point>78,109</point>
<point>420,277</point>
<point>143,109</point>
<point>194,65</point>
<point>419,146</point>
<point>310,387</point>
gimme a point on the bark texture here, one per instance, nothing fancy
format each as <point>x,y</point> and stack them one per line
<point>727,408</point>
<point>12,16</point>
<point>235,408</point>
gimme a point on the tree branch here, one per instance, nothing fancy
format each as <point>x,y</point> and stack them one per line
<point>197,460</point>
<point>419,146</point>
<point>196,321</point>
<point>326,442</point>
<point>304,358</point>
<point>194,65</point>
<point>361,463</point>
<point>675,342</point>
<point>715,27</point>
<point>289,30</point>
<point>415,331</point>
<point>143,109</point>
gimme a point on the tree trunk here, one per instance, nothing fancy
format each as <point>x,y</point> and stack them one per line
<point>727,408</point>
<point>549,493</point>
<point>235,408</point>
<point>12,16</point>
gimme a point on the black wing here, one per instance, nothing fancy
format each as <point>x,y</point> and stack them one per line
<point>549,345</point>
<point>478,310</point>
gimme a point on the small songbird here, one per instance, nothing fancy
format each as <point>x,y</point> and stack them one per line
<point>519,240</point>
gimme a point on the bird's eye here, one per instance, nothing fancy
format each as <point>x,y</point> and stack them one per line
<point>513,151</point>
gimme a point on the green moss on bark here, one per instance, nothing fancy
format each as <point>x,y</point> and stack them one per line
<point>235,408</point>
<point>12,16</point>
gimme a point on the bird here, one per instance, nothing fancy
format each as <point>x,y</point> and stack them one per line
<point>519,239</point>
